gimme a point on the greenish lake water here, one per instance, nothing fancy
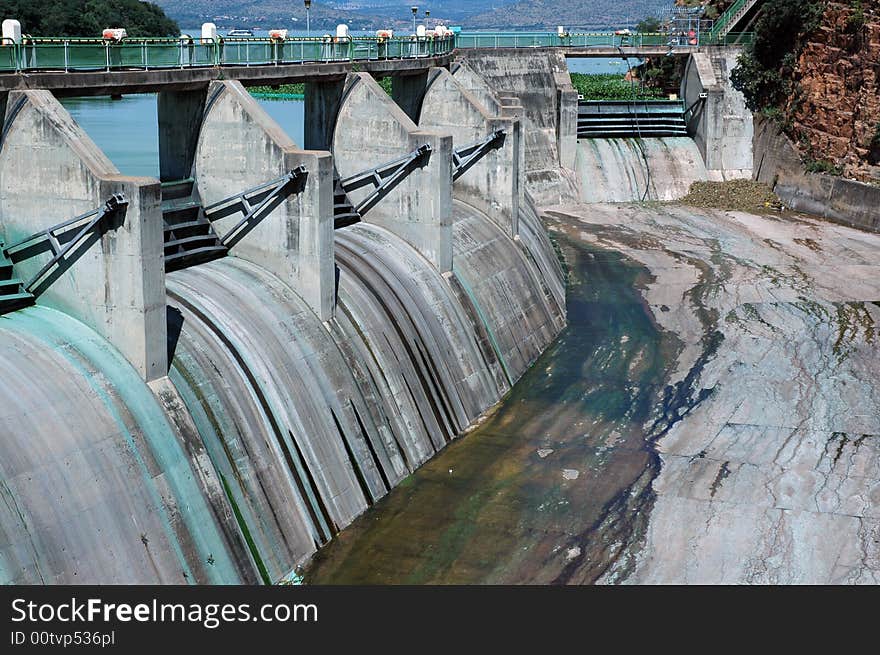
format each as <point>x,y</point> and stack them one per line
<point>127,130</point>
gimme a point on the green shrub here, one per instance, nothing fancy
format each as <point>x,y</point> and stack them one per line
<point>856,20</point>
<point>278,90</point>
<point>822,166</point>
<point>765,69</point>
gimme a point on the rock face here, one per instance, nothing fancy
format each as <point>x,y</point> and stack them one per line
<point>836,113</point>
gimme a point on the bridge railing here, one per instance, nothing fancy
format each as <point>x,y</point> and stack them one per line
<point>722,21</point>
<point>86,54</point>
<point>554,39</point>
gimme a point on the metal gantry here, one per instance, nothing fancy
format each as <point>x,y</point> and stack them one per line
<point>384,178</point>
<point>190,234</point>
<point>59,241</point>
<point>253,203</point>
<point>466,156</point>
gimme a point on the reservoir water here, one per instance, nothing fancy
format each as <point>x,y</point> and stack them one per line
<point>127,130</point>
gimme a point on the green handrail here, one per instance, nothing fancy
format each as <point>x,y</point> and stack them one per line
<point>725,18</point>
<point>91,54</point>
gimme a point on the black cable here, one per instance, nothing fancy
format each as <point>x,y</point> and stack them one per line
<point>636,123</point>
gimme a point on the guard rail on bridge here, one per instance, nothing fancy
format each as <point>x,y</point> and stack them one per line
<point>589,40</point>
<point>732,17</point>
<point>87,54</point>
<point>82,54</point>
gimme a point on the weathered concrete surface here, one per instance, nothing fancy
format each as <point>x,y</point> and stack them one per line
<point>50,171</point>
<point>102,83</point>
<point>492,185</point>
<point>476,86</point>
<point>308,423</point>
<point>778,164</point>
<point>630,170</point>
<point>539,79</point>
<point>96,485</point>
<point>240,147</point>
<point>505,286</point>
<point>372,130</point>
<point>721,124</point>
<point>770,470</point>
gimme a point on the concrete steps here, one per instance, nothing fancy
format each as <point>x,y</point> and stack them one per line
<point>623,119</point>
<point>190,237</point>
<point>344,213</point>
<point>12,293</point>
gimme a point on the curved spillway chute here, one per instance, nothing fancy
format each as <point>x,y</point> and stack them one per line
<point>277,409</point>
<point>96,484</point>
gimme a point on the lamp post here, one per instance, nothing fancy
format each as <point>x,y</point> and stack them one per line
<point>427,15</point>
<point>415,10</point>
<point>308,4</point>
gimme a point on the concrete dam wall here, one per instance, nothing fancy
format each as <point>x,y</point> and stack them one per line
<point>628,170</point>
<point>219,421</point>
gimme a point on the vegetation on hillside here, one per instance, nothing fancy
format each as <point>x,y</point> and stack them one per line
<point>765,70</point>
<point>88,17</point>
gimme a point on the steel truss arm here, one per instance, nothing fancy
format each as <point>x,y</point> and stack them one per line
<point>49,235</point>
<point>384,178</point>
<point>465,157</point>
<point>253,202</point>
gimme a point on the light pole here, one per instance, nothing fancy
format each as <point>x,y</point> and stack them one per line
<point>308,4</point>
<point>415,10</point>
<point>427,14</point>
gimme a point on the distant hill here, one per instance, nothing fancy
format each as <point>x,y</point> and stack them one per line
<point>572,14</point>
<point>372,14</point>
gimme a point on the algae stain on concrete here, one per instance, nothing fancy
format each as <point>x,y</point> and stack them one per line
<point>503,504</point>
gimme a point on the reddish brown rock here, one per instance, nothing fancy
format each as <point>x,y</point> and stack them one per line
<point>836,113</point>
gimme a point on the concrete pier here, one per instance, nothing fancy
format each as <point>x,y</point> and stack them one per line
<point>240,147</point>
<point>51,171</point>
<point>539,80</point>
<point>372,130</point>
<point>719,122</point>
<point>492,185</point>
<point>180,122</point>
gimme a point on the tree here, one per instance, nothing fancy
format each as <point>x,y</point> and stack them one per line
<point>88,17</point>
<point>764,72</point>
<point>648,25</point>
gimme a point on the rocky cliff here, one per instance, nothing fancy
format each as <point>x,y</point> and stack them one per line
<point>835,111</point>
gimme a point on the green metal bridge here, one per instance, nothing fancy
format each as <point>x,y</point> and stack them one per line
<point>89,54</point>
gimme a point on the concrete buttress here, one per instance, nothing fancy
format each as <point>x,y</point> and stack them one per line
<point>492,185</point>
<point>372,130</point>
<point>51,171</point>
<point>240,147</point>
